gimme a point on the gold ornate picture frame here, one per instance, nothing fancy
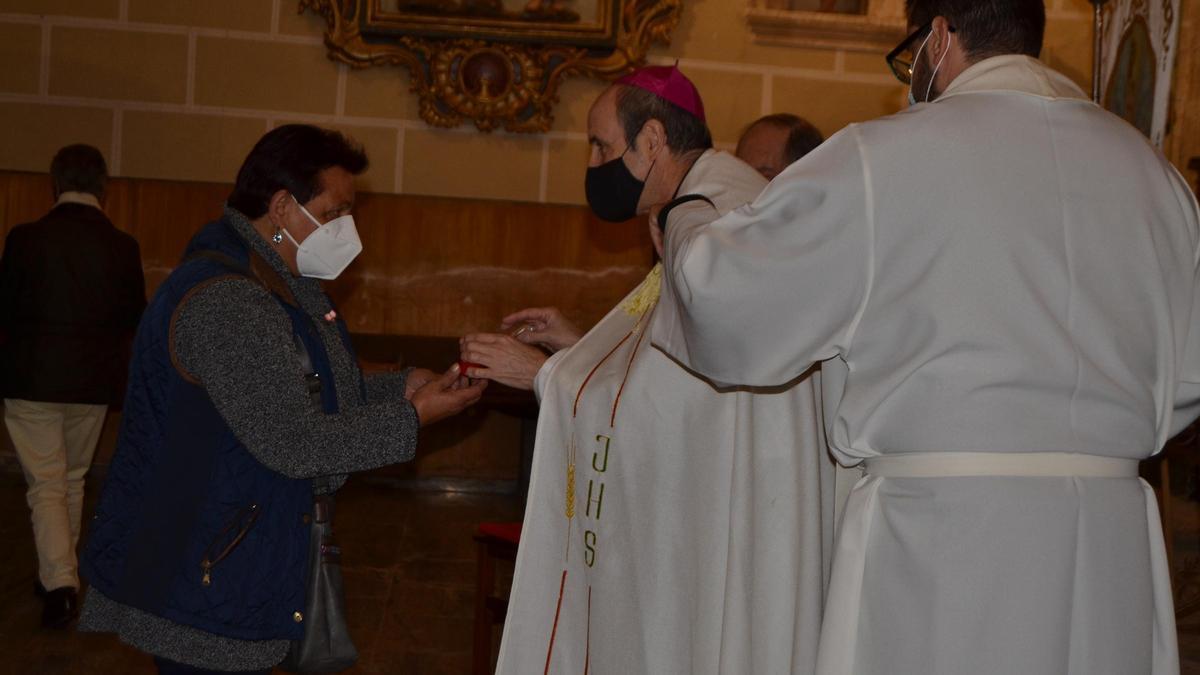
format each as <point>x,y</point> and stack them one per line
<point>496,63</point>
<point>876,29</point>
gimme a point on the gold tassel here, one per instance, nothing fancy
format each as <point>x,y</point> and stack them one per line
<point>570,505</point>
<point>570,490</point>
<point>646,295</point>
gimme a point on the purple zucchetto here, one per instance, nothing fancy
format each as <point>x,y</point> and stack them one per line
<point>668,83</point>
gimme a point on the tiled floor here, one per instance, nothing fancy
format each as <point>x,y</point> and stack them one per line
<point>409,566</point>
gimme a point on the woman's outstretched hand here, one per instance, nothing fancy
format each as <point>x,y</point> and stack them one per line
<point>445,395</point>
<point>417,378</point>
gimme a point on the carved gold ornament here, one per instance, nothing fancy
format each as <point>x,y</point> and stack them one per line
<point>476,60</point>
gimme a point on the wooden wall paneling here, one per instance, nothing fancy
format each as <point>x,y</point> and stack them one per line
<point>456,266</point>
<point>165,216</point>
<point>362,292</point>
<point>26,197</point>
<point>5,183</point>
<point>119,203</point>
<point>478,445</point>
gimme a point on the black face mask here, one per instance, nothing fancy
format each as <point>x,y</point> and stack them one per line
<point>613,191</point>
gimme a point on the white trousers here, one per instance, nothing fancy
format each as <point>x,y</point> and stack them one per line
<point>55,443</point>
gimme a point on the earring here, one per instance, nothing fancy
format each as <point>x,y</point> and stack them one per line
<point>278,236</point>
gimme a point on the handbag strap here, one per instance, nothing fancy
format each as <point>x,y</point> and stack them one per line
<point>322,507</point>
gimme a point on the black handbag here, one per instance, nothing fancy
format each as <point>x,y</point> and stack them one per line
<point>326,646</point>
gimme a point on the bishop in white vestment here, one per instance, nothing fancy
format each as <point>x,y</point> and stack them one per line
<point>671,527</point>
<point>1001,287</point>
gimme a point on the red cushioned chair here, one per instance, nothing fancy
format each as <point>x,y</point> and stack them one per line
<point>494,541</point>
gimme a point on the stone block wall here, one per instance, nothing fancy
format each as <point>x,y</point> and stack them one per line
<point>180,89</point>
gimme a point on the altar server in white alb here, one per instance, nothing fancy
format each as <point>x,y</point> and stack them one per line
<point>671,528</point>
<point>1000,282</point>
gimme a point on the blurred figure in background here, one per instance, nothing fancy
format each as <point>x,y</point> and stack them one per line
<point>71,294</point>
<point>773,142</point>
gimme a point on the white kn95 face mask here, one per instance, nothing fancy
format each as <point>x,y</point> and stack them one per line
<point>329,249</point>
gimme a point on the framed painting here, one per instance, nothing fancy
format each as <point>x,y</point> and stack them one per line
<point>586,23</point>
<point>496,63</point>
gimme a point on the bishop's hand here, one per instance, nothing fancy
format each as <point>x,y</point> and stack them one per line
<point>501,358</point>
<point>543,326</point>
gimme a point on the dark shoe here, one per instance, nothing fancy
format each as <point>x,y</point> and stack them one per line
<point>60,607</point>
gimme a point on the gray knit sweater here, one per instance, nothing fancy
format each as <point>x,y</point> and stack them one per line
<point>236,339</point>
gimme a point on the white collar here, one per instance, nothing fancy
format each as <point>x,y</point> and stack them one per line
<point>85,198</point>
<point>1014,72</point>
<point>696,173</point>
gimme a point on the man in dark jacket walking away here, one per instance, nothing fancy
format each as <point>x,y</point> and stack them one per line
<point>71,294</point>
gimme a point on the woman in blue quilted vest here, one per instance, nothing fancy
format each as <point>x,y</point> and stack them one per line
<point>244,397</point>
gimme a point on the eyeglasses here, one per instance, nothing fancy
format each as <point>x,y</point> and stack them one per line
<point>901,68</point>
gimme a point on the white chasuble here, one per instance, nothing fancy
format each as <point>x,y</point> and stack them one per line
<point>1001,287</point>
<point>670,527</point>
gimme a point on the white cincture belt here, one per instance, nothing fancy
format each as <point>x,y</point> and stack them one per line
<point>1022,464</point>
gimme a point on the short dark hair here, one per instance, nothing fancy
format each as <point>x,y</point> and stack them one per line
<point>987,27</point>
<point>79,168</point>
<point>290,158</point>
<point>685,131</point>
<point>802,138</point>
